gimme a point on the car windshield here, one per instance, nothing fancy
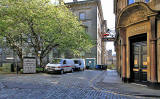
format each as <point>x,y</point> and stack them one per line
<point>56,61</point>
<point>76,62</point>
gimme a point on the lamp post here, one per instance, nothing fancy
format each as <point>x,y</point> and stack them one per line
<point>3,50</point>
<point>82,54</point>
<point>39,54</point>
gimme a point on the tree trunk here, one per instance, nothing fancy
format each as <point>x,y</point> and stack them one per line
<point>41,63</point>
<point>21,62</point>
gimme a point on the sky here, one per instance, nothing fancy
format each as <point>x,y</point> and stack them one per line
<point>107,6</point>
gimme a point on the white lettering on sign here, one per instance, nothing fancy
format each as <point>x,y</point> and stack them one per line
<point>29,65</point>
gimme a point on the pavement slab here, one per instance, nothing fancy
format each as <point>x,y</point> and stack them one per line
<point>112,83</point>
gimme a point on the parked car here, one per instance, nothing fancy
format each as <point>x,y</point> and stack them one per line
<point>101,67</point>
<point>60,65</point>
<point>79,64</point>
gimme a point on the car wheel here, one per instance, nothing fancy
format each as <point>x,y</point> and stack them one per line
<point>62,71</point>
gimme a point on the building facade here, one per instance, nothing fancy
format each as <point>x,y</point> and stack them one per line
<point>109,57</point>
<point>90,13</point>
<point>137,40</point>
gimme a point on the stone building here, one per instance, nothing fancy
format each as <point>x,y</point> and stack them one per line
<point>109,57</point>
<point>137,40</point>
<point>90,13</point>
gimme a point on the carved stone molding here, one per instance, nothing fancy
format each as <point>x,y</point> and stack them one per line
<point>133,14</point>
<point>138,28</point>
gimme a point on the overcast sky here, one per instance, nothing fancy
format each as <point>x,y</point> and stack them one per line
<point>107,6</point>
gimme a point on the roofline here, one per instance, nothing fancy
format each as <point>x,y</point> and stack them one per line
<point>101,10</point>
<point>80,2</point>
<point>98,2</point>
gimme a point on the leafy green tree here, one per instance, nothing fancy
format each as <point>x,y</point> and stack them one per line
<point>45,25</point>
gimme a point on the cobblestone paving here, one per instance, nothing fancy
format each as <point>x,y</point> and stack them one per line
<point>77,85</point>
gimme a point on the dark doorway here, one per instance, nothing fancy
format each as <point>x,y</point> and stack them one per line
<point>138,45</point>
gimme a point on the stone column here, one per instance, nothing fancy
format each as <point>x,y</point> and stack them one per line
<point>124,60</point>
<point>153,50</point>
<point>123,47</point>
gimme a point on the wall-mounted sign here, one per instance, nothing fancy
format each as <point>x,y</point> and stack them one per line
<point>29,65</point>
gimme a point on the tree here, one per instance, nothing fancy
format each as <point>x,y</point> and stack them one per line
<point>46,25</point>
<point>12,27</point>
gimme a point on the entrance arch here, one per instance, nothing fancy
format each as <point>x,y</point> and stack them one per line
<point>134,13</point>
<point>134,20</point>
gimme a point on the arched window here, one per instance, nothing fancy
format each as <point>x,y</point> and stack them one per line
<point>133,1</point>
<point>147,1</point>
<point>130,1</point>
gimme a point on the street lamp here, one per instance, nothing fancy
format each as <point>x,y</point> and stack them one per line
<point>3,49</point>
<point>39,54</point>
<point>82,54</point>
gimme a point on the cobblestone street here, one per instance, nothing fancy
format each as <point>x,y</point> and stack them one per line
<point>88,84</point>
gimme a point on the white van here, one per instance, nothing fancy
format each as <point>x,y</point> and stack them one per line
<point>79,64</point>
<point>60,65</point>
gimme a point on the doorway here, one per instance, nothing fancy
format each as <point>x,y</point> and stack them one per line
<point>139,58</point>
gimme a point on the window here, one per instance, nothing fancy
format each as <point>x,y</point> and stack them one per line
<point>146,1</point>
<point>76,62</point>
<point>82,16</point>
<point>64,62</point>
<point>133,1</point>
<point>86,29</point>
<point>56,61</point>
<point>130,1</point>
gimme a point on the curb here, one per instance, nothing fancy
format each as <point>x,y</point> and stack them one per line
<point>110,92</point>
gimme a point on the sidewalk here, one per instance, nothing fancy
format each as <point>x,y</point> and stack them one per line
<point>111,82</point>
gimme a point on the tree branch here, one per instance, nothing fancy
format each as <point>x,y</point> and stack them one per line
<point>48,49</point>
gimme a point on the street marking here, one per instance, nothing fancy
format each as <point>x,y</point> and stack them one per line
<point>55,82</point>
<point>81,77</point>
